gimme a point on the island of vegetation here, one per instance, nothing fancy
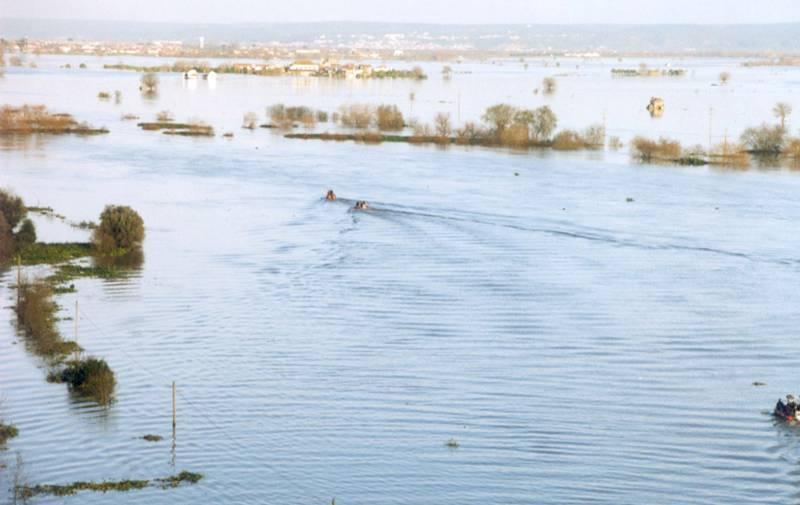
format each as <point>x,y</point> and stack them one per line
<point>305,68</point>
<point>29,119</point>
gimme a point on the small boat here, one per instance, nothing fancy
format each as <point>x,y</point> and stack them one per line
<point>787,411</point>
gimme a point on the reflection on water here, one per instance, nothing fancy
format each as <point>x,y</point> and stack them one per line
<point>588,329</point>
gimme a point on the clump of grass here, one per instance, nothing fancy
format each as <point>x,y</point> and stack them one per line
<point>36,320</point>
<point>452,443</point>
<point>26,492</point>
<point>176,480</point>
<point>89,376</point>
<point>50,253</point>
<point>70,271</point>
<point>104,95</point>
<point>7,431</point>
<point>152,438</point>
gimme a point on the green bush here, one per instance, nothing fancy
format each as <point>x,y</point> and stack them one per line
<point>121,229</point>
<point>7,431</point>
<point>12,208</point>
<point>36,320</point>
<point>92,377</point>
<point>26,235</point>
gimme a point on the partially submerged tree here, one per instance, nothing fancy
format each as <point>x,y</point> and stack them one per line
<point>765,139</point>
<point>724,77</point>
<point>149,83</point>
<point>549,85</point>
<point>121,229</point>
<point>389,118</point>
<point>443,126</point>
<point>499,117</point>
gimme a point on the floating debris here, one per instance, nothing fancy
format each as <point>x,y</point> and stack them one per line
<point>153,438</point>
<point>452,443</point>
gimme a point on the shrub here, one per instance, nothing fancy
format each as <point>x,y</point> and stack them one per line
<point>516,135</point>
<point>322,116</point>
<point>649,150</point>
<point>615,143</point>
<point>470,133</point>
<point>389,118</point>
<point>164,116</point>
<point>357,115</point>
<point>7,431</point>
<point>149,83</point>
<point>104,95</point>
<point>549,85</point>
<point>90,376</point>
<point>26,235</point>
<point>764,139</point>
<point>568,140</point>
<point>792,149</point>
<point>12,207</point>
<point>595,136</point>
<point>121,229</point>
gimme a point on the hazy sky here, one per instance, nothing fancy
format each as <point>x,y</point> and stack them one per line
<point>432,11</point>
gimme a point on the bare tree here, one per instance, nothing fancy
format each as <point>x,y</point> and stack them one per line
<point>443,126</point>
<point>781,111</point>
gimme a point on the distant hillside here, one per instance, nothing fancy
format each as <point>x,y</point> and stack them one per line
<point>623,38</point>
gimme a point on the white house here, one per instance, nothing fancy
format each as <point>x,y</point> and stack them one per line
<point>304,67</point>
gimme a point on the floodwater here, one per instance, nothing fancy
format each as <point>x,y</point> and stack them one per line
<point>580,348</point>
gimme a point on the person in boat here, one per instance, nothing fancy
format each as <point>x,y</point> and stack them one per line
<point>788,410</point>
<point>330,195</point>
<point>361,205</point>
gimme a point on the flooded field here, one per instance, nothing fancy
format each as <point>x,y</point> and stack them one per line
<point>587,329</point>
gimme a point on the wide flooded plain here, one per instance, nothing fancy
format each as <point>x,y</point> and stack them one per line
<point>586,328</point>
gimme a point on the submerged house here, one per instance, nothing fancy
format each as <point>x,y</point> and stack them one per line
<point>303,67</point>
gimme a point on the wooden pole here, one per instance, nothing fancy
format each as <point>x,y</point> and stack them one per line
<point>173,409</point>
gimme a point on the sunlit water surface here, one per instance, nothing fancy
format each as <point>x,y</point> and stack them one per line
<point>580,348</point>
